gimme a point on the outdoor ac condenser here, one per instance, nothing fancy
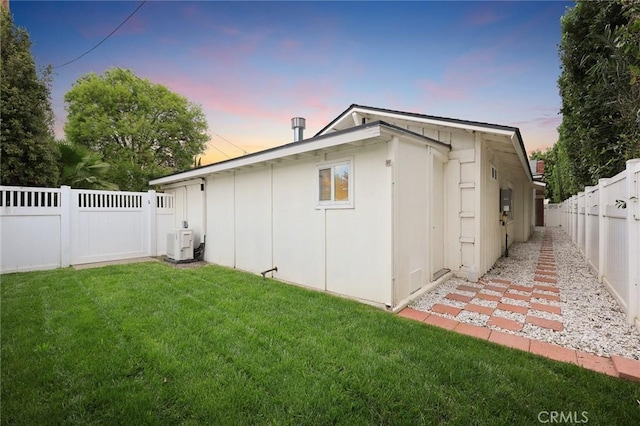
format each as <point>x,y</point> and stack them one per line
<point>180,245</point>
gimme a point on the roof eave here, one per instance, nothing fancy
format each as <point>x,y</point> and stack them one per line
<point>367,131</point>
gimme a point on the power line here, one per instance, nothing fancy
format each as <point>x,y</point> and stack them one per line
<point>104,39</point>
<point>218,149</point>
<point>228,141</point>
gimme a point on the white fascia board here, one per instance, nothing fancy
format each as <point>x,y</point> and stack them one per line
<point>274,154</point>
<point>523,158</point>
<point>182,183</point>
<point>440,123</point>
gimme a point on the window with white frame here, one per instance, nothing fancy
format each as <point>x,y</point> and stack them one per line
<point>494,172</point>
<point>335,184</point>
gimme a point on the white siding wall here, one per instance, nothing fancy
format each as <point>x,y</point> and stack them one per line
<point>298,227</point>
<point>358,240</point>
<point>411,218</point>
<point>492,231</point>
<point>452,252</point>
<point>220,247</point>
<point>253,219</point>
<point>474,237</point>
<point>465,194</point>
<point>268,216</point>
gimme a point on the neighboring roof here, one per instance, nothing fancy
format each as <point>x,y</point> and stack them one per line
<point>293,148</point>
<point>449,122</point>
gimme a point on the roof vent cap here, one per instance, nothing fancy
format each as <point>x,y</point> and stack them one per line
<point>298,125</point>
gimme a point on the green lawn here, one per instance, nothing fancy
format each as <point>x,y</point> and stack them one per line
<point>150,344</point>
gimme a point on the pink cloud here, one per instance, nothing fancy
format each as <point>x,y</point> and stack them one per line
<point>545,121</point>
<point>171,41</point>
<point>447,90</point>
<point>466,74</point>
<point>469,73</point>
<point>255,97</point>
<point>289,47</point>
<point>228,30</point>
<point>191,10</point>
<point>540,132</point>
<point>483,17</point>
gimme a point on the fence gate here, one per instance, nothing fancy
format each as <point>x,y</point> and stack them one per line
<point>108,225</point>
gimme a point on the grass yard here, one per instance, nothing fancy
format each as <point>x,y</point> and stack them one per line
<point>150,344</point>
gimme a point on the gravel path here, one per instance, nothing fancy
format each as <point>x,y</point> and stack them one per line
<point>591,318</point>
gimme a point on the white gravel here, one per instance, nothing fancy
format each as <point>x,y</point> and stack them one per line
<point>593,322</point>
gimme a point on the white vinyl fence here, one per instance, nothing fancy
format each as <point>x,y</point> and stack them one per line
<point>46,228</point>
<point>604,223</point>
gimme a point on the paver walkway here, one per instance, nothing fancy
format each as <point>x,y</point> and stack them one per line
<point>504,305</point>
<point>508,305</point>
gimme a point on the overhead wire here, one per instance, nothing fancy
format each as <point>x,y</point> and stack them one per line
<point>104,39</point>
<point>218,149</point>
<point>229,142</point>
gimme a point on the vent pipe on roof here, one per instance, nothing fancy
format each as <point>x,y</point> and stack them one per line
<point>298,125</point>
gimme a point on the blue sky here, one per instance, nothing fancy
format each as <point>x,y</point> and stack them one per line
<point>254,65</point>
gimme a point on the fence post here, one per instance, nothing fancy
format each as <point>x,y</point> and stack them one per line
<point>633,240</point>
<point>152,221</point>
<point>581,225</point>
<point>576,222</point>
<point>603,230</point>
<point>588,199</point>
<point>65,226</point>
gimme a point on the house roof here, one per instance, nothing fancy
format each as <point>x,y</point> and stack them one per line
<point>369,132</point>
<point>346,119</point>
<point>465,123</point>
<point>343,131</point>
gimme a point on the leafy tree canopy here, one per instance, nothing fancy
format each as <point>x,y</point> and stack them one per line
<point>143,129</point>
<point>600,90</point>
<point>27,148</point>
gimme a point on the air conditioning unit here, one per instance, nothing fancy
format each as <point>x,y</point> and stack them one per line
<point>180,245</point>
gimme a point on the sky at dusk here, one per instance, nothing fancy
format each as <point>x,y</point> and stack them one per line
<point>252,66</point>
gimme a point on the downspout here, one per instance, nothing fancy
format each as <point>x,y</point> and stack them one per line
<point>274,268</point>
<point>185,208</point>
<point>234,218</point>
<point>203,189</point>
<point>392,150</point>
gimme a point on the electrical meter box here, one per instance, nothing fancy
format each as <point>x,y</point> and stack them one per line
<point>506,200</point>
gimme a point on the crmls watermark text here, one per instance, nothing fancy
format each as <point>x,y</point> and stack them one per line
<point>563,417</point>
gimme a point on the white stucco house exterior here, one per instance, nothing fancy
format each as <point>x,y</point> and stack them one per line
<point>380,205</point>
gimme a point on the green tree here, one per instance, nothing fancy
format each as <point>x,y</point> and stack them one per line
<point>142,128</point>
<point>621,72</point>
<point>27,147</point>
<point>82,168</point>
<point>600,94</point>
